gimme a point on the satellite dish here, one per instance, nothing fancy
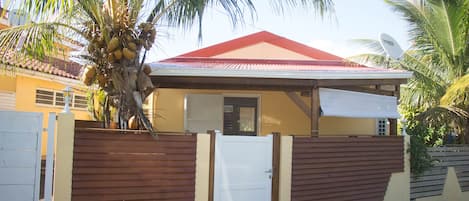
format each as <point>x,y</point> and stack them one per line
<point>17,17</point>
<point>390,46</point>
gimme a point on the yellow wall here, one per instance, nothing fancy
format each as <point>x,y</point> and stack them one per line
<point>399,182</point>
<point>263,51</point>
<point>277,114</point>
<point>7,83</point>
<point>26,101</point>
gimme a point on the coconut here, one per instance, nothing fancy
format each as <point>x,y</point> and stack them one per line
<point>128,54</point>
<point>117,54</point>
<point>110,58</point>
<point>147,27</point>
<point>113,44</point>
<point>88,81</point>
<point>91,72</point>
<point>147,69</point>
<point>101,80</point>
<point>132,46</point>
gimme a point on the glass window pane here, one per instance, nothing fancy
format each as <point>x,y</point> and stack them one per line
<point>247,119</point>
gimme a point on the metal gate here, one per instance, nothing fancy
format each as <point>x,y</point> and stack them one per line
<point>20,155</point>
<point>243,168</point>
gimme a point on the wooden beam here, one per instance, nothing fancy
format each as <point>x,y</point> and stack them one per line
<point>393,122</point>
<point>315,112</point>
<point>299,103</point>
<point>278,84</point>
<point>358,82</point>
<point>211,173</point>
<point>364,90</point>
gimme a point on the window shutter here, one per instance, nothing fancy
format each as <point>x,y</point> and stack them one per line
<point>7,101</point>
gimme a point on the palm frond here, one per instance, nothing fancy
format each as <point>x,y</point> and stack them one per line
<point>457,93</point>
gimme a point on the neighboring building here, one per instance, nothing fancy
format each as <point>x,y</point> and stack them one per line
<point>263,83</point>
<point>30,85</point>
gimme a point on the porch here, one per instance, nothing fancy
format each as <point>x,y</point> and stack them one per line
<point>291,96</point>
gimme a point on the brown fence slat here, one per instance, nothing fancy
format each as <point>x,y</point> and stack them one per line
<point>344,168</point>
<point>132,165</point>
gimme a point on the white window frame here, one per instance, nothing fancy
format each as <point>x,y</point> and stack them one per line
<point>54,98</point>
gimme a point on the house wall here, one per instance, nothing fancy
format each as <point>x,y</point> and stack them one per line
<point>7,83</point>
<point>262,51</point>
<point>26,97</point>
<point>277,114</point>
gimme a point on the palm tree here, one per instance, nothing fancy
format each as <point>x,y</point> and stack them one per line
<point>438,58</point>
<point>118,35</point>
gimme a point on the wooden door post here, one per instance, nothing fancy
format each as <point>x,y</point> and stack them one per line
<point>393,122</point>
<point>315,113</point>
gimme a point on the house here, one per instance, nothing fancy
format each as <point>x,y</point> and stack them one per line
<point>31,85</point>
<point>263,83</point>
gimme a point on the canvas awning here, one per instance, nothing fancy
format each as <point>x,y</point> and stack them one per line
<point>343,103</point>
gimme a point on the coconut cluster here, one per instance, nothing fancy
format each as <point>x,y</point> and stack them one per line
<point>119,43</point>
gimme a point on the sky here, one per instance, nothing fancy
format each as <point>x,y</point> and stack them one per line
<point>354,20</point>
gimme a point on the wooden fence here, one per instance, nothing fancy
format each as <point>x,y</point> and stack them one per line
<point>433,180</point>
<point>341,168</point>
<point>111,165</point>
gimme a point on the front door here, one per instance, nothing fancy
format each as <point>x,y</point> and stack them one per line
<point>240,116</point>
<point>243,168</point>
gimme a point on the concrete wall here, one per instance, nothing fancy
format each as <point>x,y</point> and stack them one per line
<point>277,114</point>
<point>399,183</point>
<point>202,167</point>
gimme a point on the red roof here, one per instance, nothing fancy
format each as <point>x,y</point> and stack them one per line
<point>18,60</point>
<point>260,37</point>
<point>321,66</point>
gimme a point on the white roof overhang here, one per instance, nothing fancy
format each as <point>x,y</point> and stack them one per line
<point>162,69</point>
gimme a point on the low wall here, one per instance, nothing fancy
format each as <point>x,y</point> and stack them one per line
<point>344,168</point>
<point>112,165</point>
<point>448,179</point>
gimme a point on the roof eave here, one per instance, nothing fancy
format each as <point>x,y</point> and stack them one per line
<point>313,75</point>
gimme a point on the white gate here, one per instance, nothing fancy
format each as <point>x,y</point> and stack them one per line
<point>243,168</point>
<point>20,155</point>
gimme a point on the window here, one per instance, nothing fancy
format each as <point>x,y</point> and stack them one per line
<point>80,101</point>
<point>44,97</point>
<point>56,98</point>
<point>381,126</point>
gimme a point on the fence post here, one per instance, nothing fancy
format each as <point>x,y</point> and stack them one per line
<point>285,170</point>
<point>211,165</point>
<point>202,174</point>
<point>275,165</point>
<point>64,157</point>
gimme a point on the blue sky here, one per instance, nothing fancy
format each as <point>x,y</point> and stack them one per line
<point>355,19</point>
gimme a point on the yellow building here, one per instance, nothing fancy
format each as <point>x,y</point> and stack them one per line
<point>30,85</point>
<point>264,83</point>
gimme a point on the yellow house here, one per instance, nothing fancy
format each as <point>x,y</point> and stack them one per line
<point>264,83</point>
<point>30,85</point>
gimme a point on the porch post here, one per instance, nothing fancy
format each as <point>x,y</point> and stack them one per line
<point>315,111</point>
<point>393,122</point>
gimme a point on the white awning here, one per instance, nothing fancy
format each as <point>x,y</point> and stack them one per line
<point>341,103</point>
